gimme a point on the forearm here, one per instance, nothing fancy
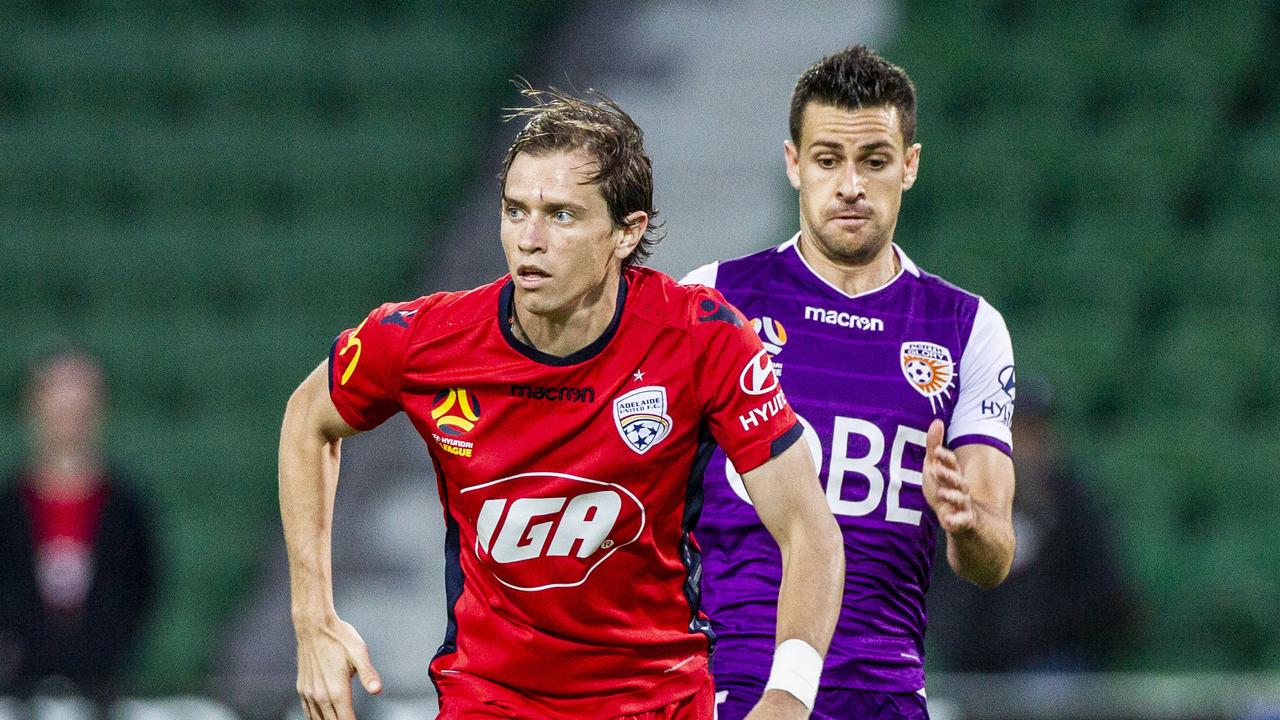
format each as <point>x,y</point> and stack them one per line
<point>812,583</point>
<point>983,553</point>
<point>308,483</point>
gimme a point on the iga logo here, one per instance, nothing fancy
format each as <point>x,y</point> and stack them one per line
<point>771,333</point>
<point>542,530</point>
<point>641,417</point>
<point>929,369</point>
<point>758,377</point>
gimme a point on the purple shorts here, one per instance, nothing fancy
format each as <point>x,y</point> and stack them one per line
<point>733,702</point>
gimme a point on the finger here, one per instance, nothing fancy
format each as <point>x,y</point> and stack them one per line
<point>933,440</point>
<point>342,707</point>
<point>950,478</point>
<point>325,705</point>
<point>306,709</point>
<point>369,676</point>
<point>946,457</point>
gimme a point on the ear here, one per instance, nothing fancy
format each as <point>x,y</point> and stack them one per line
<point>793,163</point>
<point>632,232</point>
<point>911,165</point>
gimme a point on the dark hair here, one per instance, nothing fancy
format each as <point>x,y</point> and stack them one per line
<point>855,78</point>
<point>560,121</point>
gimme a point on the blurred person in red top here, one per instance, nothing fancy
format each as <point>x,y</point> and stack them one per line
<point>75,552</point>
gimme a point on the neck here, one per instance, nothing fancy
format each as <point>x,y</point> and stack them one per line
<point>67,472</point>
<point>850,277</point>
<point>569,330</point>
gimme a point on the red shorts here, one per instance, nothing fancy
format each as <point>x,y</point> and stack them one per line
<point>512,706</point>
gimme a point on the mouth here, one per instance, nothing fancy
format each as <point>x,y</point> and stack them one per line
<point>852,219</point>
<point>530,276</point>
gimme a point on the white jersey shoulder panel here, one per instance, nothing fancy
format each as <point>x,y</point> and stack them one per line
<point>705,275</point>
<point>987,385</point>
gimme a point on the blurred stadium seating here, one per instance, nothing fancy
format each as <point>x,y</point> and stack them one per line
<point>204,192</point>
<point>1106,174</point>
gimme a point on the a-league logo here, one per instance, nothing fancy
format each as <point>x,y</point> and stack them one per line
<point>456,411</point>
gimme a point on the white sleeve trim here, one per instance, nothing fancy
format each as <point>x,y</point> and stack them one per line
<point>705,275</point>
<point>987,380</point>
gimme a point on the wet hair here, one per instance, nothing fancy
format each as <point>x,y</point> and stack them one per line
<point>561,121</point>
<point>851,79</point>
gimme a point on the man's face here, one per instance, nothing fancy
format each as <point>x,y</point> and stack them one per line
<point>559,239</point>
<point>851,169</point>
<point>66,403</point>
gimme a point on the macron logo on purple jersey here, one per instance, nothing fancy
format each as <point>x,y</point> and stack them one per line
<point>843,319</point>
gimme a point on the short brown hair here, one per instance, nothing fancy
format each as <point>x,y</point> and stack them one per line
<point>856,78</point>
<point>560,121</point>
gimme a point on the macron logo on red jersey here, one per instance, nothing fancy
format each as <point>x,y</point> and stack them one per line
<point>542,530</point>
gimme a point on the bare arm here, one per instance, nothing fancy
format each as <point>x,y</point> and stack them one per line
<point>793,507</point>
<point>971,492</point>
<point>330,651</point>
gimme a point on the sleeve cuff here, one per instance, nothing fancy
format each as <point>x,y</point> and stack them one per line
<point>998,444</point>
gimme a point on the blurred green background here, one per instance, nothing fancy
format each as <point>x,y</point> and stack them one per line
<point>207,193</point>
<point>203,193</point>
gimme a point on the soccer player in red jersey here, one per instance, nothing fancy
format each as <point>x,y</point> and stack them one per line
<point>568,408</point>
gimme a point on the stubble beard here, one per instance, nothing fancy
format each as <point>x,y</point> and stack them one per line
<point>852,252</point>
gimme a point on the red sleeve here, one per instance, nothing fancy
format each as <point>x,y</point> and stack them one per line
<point>366,364</point>
<point>745,407</point>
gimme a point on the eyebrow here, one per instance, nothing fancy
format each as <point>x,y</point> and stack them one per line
<point>870,147</point>
<point>551,206</point>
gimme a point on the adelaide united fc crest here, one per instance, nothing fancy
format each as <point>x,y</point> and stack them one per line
<point>641,417</point>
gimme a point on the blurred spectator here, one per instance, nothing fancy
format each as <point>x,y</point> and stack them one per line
<point>75,551</point>
<point>1065,605</point>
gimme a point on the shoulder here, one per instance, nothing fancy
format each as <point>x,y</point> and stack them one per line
<point>693,309</point>
<point>941,296</point>
<point>438,313</point>
<point>978,321</point>
<point>722,273</point>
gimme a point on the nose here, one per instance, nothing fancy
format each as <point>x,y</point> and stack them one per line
<point>851,188</point>
<point>533,236</point>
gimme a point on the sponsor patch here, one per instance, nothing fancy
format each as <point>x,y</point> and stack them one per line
<point>641,417</point>
<point>929,369</point>
<point>455,411</point>
<point>772,334</point>
<point>542,530</point>
<point>999,404</point>
<point>758,377</point>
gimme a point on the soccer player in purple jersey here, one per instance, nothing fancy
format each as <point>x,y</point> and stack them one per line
<point>905,386</point>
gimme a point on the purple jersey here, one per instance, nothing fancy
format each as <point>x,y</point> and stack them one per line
<point>867,374</point>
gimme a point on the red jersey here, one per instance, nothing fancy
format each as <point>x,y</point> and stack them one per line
<point>570,484</point>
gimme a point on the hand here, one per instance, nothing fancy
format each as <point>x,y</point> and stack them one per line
<point>329,654</point>
<point>945,488</point>
<point>778,705</point>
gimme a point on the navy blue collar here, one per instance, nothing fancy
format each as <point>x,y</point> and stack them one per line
<point>505,312</point>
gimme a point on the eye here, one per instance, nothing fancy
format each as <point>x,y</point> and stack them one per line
<point>511,212</point>
<point>562,216</point>
<point>877,163</point>
<point>827,162</point>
